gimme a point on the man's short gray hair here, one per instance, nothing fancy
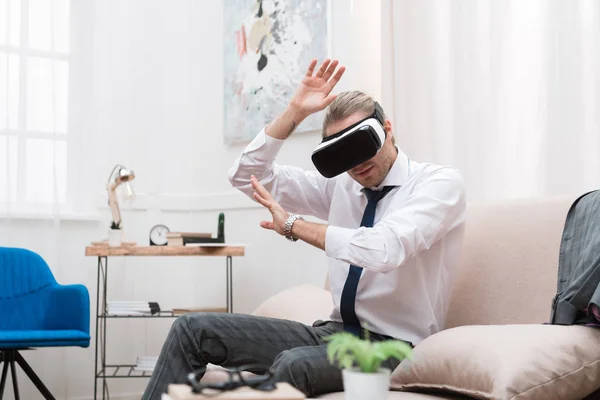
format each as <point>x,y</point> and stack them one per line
<point>348,103</point>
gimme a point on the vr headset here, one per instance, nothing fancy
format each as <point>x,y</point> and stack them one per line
<point>350,147</point>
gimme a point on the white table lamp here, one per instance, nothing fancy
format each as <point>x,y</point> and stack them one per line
<point>119,175</point>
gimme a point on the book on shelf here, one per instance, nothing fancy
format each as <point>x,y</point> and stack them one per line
<point>132,308</point>
<point>182,238</point>
<point>188,234</point>
<point>145,364</point>
<point>186,310</point>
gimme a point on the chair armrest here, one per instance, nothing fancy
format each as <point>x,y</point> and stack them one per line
<point>305,304</point>
<point>68,308</point>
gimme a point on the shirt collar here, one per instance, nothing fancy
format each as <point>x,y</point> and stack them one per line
<point>398,174</point>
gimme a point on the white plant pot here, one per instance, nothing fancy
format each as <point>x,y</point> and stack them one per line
<point>361,385</point>
<point>115,237</point>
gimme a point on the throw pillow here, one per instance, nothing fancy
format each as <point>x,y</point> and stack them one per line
<point>514,362</point>
<point>304,303</point>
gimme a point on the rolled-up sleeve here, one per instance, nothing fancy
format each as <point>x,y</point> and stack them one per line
<point>296,190</point>
<point>434,208</point>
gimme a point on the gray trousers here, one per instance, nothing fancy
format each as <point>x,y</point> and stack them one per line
<point>296,352</point>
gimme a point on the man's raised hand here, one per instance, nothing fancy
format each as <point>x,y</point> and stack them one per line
<point>314,92</point>
<point>312,95</point>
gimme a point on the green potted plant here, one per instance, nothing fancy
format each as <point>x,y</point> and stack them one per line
<point>361,359</point>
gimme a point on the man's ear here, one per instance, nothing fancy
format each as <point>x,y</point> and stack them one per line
<point>387,126</point>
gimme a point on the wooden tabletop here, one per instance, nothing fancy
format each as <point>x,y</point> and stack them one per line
<point>104,251</point>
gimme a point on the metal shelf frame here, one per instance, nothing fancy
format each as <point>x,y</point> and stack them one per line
<point>104,371</point>
<point>160,315</point>
<point>122,371</point>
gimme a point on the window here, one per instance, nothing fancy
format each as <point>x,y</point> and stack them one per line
<point>34,99</point>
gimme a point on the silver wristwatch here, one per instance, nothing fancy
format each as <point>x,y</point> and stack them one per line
<point>287,227</point>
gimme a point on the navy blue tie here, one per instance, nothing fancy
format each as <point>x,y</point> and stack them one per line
<point>347,309</point>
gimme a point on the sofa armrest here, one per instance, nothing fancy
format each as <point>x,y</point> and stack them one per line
<point>68,308</point>
<point>304,303</point>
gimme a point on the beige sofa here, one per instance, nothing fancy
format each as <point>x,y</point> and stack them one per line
<point>507,274</point>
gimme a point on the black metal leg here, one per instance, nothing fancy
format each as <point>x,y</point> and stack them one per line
<point>13,371</point>
<point>4,372</point>
<point>103,321</point>
<point>101,326</point>
<point>101,307</point>
<point>229,283</point>
<point>97,323</point>
<point>34,378</point>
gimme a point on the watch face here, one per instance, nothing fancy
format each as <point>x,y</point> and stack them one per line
<point>158,235</point>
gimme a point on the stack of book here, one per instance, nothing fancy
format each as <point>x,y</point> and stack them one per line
<point>116,308</point>
<point>185,310</point>
<point>183,238</point>
<point>146,364</point>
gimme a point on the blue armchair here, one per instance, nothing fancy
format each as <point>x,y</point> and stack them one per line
<point>35,311</point>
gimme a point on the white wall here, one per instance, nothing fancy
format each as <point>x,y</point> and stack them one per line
<point>151,76</point>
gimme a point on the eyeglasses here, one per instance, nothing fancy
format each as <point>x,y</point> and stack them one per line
<point>263,379</point>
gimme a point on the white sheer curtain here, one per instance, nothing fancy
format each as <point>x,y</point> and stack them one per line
<point>34,98</point>
<point>37,145</point>
<point>505,90</point>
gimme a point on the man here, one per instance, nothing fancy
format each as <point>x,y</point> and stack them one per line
<point>393,238</point>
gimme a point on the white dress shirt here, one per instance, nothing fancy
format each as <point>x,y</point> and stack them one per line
<point>410,254</point>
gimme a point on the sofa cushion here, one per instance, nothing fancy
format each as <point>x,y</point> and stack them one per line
<point>304,303</point>
<point>509,262</point>
<point>506,362</point>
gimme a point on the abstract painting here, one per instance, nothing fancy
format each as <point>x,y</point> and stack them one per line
<point>268,47</point>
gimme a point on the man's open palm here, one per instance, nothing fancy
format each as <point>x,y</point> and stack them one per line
<point>314,92</point>
<point>263,196</point>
